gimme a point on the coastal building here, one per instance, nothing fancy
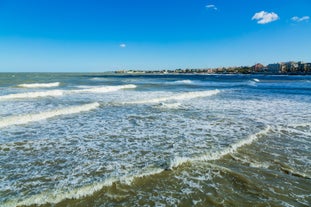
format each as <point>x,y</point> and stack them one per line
<point>274,68</point>
<point>294,67</point>
<point>307,67</point>
<point>290,67</point>
<point>258,68</point>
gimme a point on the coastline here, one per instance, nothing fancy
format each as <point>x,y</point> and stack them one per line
<point>282,68</point>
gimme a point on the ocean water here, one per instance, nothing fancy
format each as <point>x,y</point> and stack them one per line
<point>154,140</point>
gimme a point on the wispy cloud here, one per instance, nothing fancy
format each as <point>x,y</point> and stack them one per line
<point>122,45</point>
<point>300,19</point>
<point>211,6</point>
<point>265,17</point>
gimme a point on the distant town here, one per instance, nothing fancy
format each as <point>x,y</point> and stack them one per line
<point>288,68</point>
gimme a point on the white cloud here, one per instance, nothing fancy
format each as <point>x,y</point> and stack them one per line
<point>265,17</point>
<point>122,45</point>
<point>298,19</point>
<point>211,6</point>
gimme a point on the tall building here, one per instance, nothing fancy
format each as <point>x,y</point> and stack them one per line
<point>274,68</point>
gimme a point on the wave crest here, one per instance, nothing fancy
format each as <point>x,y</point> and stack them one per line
<point>60,195</point>
<point>103,89</point>
<point>39,94</point>
<point>181,82</point>
<point>32,94</point>
<point>80,192</point>
<point>24,119</point>
<point>39,85</point>
<point>177,161</point>
<point>181,96</point>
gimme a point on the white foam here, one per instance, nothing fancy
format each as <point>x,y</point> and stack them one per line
<point>181,82</point>
<point>98,79</point>
<point>181,96</point>
<point>177,161</point>
<point>85,86</point>
<point>103,89</point>
<point>60,195</point>
<point>39,85</point>
<point>24,119</point>
<point>256,80</point>
<point>169,105</point>
<point>259,164</point>
<point>32,94</point>
<point>148,172</point>
<point>251,162</point>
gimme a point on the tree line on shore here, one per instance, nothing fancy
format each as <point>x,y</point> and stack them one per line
<point>275,68</point>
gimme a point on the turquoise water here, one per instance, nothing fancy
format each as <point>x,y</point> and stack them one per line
<point>154,140</point>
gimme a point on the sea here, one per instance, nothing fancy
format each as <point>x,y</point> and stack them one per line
<point>101,139</point>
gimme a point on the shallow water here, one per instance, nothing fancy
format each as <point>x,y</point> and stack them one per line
<point>155,140</point>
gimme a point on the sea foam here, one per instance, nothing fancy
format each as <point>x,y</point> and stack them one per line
<point>59,195</point>
<point>24,119</point>
<point>39,94</point>
<point>180,96</point>
<point>39,85</point>
<point>177,161</point>
<point>181,82</point>
<point>32,94</point>
<point>76,193</point>
<point>169,105</point>
<point>103,89</point>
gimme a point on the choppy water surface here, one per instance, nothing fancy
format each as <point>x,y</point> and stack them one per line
<point>155,140</point>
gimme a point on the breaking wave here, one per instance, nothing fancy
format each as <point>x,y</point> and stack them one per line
<point>181,96</point>
<point>24,119</point>
<point>177,161</point>
<point>181,82</point>
<point>60,195</point>
<point>213,83</point>
<point>98,79</point>
<point>32,94</point>
<point>169,105</point>
<point>103,89</point>
<point>39,85</point>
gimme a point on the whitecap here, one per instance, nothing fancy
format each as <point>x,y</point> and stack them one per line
<point>26,118</point>
<point>179,96</point>
<point>177,161</point>
<point>59,195</point>
<point>39,85</point>
<point>103,89</point>
<point>180,82</point>
<point>32,95</point>
<point>39,94</point>
<point>169,105</point>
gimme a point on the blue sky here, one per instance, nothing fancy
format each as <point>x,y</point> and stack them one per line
<point>106,35</point>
